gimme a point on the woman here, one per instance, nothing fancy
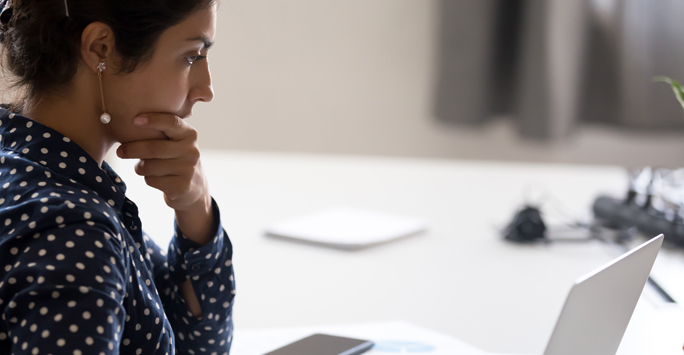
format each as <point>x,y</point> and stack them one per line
<point>77,274</point>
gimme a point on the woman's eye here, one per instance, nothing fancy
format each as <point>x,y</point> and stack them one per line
<point>193,59</point>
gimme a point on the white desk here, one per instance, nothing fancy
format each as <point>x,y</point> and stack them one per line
<point>459,278</point>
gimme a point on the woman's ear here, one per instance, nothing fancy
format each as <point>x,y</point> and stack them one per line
<point>97,45</point>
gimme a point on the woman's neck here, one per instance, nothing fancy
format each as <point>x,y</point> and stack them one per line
<point>76,116</point>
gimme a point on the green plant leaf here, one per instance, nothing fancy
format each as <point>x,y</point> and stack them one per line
<point>676,87</point>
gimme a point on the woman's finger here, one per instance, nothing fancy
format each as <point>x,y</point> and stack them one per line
<point>171,125</point>
<point>159,149</point>
<point>164,167</point>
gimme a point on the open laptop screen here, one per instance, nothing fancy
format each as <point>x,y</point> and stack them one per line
<point>600,304</point>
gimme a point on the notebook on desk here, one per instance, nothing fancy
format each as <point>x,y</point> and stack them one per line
<point>347,228</point>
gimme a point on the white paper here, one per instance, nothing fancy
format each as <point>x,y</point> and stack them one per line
<point>348,228</point>
<point>396,337</point>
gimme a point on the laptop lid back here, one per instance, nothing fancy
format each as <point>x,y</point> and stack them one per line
<point>600,304</point>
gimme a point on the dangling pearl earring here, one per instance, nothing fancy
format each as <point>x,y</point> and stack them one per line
<point>105,117</point>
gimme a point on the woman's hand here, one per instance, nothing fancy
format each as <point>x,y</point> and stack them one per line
<point>173,166</point>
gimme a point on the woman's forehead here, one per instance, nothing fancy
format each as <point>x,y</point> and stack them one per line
<point>200,27</point>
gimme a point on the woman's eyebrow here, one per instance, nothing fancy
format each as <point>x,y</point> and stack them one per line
<point>205,40</point>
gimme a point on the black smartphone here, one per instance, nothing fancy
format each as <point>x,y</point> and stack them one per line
<point>322,344</point>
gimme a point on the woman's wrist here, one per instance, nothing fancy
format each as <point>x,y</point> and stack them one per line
<point>197,221</point>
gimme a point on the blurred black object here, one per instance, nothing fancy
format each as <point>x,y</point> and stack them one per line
<point>653,205</point>
<point>527,226</point>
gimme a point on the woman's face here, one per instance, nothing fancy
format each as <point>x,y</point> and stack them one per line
<point>172,81</point>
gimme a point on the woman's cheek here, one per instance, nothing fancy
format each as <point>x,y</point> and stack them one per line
<point>178,101</point>
<point>172,96</point>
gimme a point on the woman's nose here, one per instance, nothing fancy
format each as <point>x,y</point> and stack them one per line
<point>202,90</point>
<point>206,93</point>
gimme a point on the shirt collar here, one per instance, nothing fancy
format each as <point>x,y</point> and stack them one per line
<point>58,153</point>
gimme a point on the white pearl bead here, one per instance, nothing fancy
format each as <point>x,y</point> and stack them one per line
<point>105,118</point>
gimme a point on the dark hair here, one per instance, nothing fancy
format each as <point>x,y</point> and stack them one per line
<point>41,45</point>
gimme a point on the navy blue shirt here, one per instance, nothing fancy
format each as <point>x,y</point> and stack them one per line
<point>77,273</point>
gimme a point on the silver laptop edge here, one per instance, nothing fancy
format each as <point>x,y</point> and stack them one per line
<point>600,304</point>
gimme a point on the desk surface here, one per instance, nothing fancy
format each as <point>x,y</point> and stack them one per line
<point>459,278</point>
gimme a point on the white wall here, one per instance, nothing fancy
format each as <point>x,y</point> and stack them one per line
<point>332,75</point>
<point>357,77</point>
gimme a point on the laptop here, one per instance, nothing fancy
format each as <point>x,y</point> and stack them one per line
<point>600,304</point>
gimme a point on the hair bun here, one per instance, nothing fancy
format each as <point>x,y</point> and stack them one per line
<point>5,13</point>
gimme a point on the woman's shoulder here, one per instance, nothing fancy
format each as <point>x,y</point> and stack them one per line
<point>35,199</point>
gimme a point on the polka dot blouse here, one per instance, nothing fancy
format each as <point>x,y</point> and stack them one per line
<point>77,273</point>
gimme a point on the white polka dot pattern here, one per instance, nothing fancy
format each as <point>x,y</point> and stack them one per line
<point>78,275</point>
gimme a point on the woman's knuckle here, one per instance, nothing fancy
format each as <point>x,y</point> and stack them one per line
<point>140,168</point>
<point>186,187</point>
<point>178,122</point>
<point>194,154</point>
<point>193,134</point>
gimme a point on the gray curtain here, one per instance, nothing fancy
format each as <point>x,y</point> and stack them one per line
<point>466,75</point>
<point>552,64</point>
<point>650,42</point>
